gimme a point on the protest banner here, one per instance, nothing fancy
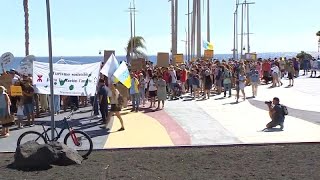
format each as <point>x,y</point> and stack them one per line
<point>6,81</point>
<point>15,90</point>
<point>208,54</point>
<point>178,59</point>
<point>69,80</point>
<point>163,59</point>
<point>138,64</point>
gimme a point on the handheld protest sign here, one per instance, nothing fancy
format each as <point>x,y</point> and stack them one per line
<point>6,58</point>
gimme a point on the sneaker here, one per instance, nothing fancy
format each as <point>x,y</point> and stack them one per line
<point>281,126</point>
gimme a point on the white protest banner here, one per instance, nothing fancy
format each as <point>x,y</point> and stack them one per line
<point>6,58</point>
<point>69,80</point>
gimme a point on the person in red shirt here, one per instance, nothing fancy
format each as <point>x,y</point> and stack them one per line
<point>266,68</point>
<point>166,77</point>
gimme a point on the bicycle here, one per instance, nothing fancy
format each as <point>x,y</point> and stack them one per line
<point>73,137</point>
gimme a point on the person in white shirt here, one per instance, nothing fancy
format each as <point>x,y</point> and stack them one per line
<point>314,66</point>
<point>152,89</point>
<point>20,114</point>
<point>276,76</point>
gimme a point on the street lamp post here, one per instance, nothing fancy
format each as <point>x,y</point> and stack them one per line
<point>51,68</point>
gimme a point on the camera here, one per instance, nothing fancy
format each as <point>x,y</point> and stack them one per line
<point>268,102</point>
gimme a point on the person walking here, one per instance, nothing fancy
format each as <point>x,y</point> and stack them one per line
<point>208,81</point>
<point>115,105</point>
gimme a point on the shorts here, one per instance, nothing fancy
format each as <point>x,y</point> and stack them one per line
<point>28,109</point>
<point>115,108</point>
<point>290,75</point>
<point>152,93</point>
<point>195,87</point>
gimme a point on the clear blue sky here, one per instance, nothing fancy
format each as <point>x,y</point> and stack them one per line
<point>83,27</point>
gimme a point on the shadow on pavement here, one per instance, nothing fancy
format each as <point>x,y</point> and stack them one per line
<point>310,116</point>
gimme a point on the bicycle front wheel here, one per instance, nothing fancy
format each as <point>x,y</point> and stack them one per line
<point>79,141</point>
<point>31,136</point>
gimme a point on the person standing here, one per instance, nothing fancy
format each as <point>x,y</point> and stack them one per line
<point>314,66</point>
<point>207,84</point>
<point>28,101</point>
<point>255,80</point>
<point>142,90</point>
<point>152,91</point>
<point>291,72</point>
<point>227,81</point>
<point>103,92</point>
<point>5,112</point>
<point>161,91</point>
<point>134,93</point>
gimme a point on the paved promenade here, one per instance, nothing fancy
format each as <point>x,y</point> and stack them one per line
<point>215,121</point>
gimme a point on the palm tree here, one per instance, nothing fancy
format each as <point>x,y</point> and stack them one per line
<point>318,34</point>
<point>135,46</point>
<point>26,25</point>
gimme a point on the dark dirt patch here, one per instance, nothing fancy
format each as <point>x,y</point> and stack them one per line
<point>295,161</point>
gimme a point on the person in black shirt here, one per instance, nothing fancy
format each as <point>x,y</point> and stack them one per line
<point>103,100</point>
<point>276,114</point>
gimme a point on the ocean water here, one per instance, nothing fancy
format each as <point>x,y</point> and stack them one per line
<point>91,59</point>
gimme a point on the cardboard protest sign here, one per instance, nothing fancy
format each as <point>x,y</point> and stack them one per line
<point>208,54</point>
<point>15,90</point>
<point>251,56</point>
<point>163,59</point>
<point>6,58</point>
<point>138,64</point>
<point>6,81</point>
<point>178,59</point>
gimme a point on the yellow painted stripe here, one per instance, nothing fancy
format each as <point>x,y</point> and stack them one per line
<point>140,131</point>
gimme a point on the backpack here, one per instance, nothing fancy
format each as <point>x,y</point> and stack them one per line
<point>285,110</point>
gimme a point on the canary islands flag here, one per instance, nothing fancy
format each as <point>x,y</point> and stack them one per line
<point>122,74</point>
<point>207,45</point>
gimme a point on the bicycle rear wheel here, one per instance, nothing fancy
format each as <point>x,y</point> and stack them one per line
<point>79,141</point>
<point>31,136</point>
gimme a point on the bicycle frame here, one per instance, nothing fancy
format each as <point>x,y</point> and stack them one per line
<point>65,126</point>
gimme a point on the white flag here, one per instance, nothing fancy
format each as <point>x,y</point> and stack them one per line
<point>110,67</point>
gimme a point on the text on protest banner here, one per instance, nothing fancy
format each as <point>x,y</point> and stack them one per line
<point>69,80</point>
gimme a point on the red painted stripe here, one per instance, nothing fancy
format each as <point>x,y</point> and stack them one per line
<point>177,134</point>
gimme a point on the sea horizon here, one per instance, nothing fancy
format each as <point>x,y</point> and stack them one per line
<point>152,58</point>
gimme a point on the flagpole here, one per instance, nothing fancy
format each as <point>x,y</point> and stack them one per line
<point>51,68</point>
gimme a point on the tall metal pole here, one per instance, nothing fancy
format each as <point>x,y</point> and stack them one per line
<point>134,19</point>
<point>242,10</point>
<point>234,35</point>
<point>134,22</point>
<point>248,30</point>
<point>199,28</point>
<point>193,34</point>
<point>176,27</point>
<point>188,39</point>
<point>172,28</point>
<point>237,26</point>
<point>131,30</point>
<point>208,21</point>
<point>50,68</point>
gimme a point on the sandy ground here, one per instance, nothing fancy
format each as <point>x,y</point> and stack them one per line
<point>290,161</point>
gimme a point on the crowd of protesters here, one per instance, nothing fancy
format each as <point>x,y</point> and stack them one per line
<point>155,85</point>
